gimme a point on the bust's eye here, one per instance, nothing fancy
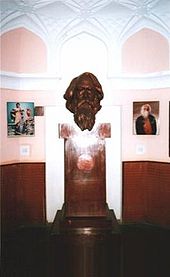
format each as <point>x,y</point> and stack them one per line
<point>81,91</point>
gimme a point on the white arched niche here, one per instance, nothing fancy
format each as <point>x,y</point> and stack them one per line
<point>82,53</point>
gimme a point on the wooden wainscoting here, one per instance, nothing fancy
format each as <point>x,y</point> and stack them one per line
<point>23,193</point>
<point>146,192</point>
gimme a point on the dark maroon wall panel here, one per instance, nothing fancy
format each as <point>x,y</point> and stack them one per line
<point>146,192</point>
<point>23,193</point>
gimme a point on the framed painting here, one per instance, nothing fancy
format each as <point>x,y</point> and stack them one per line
<point>146,118</point>
<point>39,111</point>
<point>20,119</point>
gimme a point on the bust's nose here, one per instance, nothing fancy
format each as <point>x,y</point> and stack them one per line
<point>86,93</point>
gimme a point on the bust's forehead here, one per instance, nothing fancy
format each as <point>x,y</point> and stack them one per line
<point>84,85</point>
<point>84,80</point>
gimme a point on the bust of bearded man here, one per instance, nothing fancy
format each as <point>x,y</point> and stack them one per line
<point>83,99</point>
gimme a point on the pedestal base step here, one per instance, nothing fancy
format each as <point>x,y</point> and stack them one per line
<point>84,225</point>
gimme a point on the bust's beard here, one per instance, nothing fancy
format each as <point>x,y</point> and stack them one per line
<point>84,117</point>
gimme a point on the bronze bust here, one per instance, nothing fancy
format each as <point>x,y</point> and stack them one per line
<point>83,99</point>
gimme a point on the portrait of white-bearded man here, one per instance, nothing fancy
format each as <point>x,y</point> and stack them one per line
<point>83,99</point>
<point>146,122</point>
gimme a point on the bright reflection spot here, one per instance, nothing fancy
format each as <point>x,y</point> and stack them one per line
<point>84,141</point>
<point>87,231</point>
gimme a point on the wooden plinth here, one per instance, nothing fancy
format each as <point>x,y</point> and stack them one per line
<point>85,246</point>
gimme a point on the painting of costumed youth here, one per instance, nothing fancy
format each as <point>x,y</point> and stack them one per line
<point>20,116</point>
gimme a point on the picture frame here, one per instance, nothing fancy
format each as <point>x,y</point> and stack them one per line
<point>20,119</point>
<point>39,111</point>
<point>146,118</point>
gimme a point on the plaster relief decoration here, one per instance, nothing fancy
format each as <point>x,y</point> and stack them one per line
<point>62,18</point>
<point>20,117</point>
<point>146,118</point>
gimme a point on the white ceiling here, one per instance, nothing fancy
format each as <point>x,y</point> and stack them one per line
<point>108,19</point>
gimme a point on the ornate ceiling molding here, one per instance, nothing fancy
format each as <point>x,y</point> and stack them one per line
<point>56,19</point>
<point>110,21</point>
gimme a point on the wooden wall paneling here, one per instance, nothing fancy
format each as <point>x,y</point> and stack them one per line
<point>9,182</point>
<point>23,193</point>
<point>146,192</point>
<point>32,184</point>
<point>164,194</point>
<point>134,187</point>
<point>153,192</point>
<point>158,193</point>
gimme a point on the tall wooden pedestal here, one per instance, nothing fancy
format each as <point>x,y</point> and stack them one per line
<point>85,237</point>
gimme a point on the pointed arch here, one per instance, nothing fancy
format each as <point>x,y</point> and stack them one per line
<point>146,51</point>
<point>86,51</point>
<point>23,52</point>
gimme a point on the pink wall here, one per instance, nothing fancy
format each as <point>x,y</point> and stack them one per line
<point>145,52</point>
<point>23,52</point>
<point>156,147</point>
<point>10,146</point>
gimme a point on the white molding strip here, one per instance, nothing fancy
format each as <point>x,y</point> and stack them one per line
<point>10,80</point>
<point>141,81</point>
<point>16,81</point>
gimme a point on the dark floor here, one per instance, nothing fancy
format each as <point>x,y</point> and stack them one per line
<point>145,252</point>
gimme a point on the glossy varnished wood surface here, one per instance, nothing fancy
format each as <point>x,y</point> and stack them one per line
<point>28,252</point>
<point>146,192</point>
<point>85,170</point>
<point>88,246</point>
<point>22,194</point>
